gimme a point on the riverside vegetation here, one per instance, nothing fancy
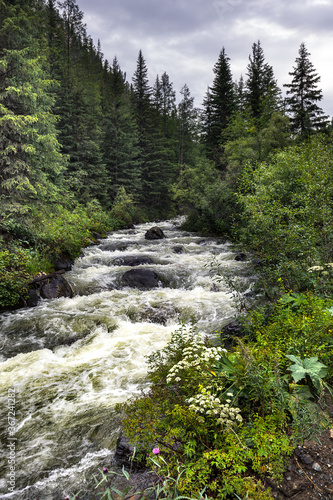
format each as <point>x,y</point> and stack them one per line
<point>83,152</point>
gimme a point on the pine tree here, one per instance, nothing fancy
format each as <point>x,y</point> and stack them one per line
<point>219,106</point>
<point>303,95</point>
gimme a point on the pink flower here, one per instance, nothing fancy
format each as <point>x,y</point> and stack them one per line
<point>156,451</point>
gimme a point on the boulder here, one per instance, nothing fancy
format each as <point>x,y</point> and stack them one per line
<point>143,279</point>
<point>154,233</point>
<point>178,249</point>
<point>124,455</point>
<point>132,261</point>
<point>241,257</point>
<point>55,287</point>
<point>32,299</point>
<point>65,263</point>
<point>159,315</point>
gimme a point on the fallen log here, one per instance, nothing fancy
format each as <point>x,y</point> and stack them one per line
<point>46,276</point>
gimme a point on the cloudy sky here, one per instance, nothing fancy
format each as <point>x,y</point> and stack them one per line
<point>184,37</point>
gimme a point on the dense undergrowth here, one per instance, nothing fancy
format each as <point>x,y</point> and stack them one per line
<point>33,242</point>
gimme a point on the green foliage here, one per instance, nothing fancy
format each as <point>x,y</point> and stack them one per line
<point>13,276</point>
<point>298,325</point>
<point>46,234</point>
<point>211,203</point>
<point>223,416</point>
<point>311,368</point>
<point>287,216</point>
<point>123,207</point>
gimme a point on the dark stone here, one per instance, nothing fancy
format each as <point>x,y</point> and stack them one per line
<point>306,459</point>
<point>158,315</point>
<point>55,287</point>
<point>66,263</point>
<point>33,298</point>
<point>241,257</point>
<point>111,247</point>
<point>144,279</point>
<point>133,261</point>
<point>124,453</point>
<point>178,249</point>
<point>154,233</point>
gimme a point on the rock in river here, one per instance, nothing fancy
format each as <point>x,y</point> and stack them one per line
<point>154,233</point>
<point>144,279</point>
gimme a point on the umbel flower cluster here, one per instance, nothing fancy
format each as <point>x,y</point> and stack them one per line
<point>194,357</point>
<point>207,404</point>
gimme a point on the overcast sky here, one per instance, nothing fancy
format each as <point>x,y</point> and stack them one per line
<point>184,37</point>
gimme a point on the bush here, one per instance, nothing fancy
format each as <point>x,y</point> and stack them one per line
<point>13,276</point>
<point>287,216</point>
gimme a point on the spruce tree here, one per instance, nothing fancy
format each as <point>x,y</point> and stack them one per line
<point>219,106</point>
<point>262,92</point>
<point>31,165</point>
<point>187,124</point>
<point>303,95</point>
<point>120,142</point>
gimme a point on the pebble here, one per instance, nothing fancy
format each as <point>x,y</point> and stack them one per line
<point>306,459</point>
<point>317,467</point>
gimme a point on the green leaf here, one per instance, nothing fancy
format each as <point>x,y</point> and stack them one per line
<point>311,367</point>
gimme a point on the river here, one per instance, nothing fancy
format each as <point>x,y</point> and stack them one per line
<point>68,361</point>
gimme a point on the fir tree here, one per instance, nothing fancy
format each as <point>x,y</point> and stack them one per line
<point>303,95</point>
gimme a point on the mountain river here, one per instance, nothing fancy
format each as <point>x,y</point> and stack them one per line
<point>65,363</point>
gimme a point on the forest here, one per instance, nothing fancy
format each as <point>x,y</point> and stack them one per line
<point>84,151</point>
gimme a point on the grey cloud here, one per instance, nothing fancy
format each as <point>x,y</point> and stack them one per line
<point>184,37</point>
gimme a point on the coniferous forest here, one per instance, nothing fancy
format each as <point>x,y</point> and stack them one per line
<point>84,151</point>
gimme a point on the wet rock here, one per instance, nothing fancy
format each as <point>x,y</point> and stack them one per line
<point>143,279</point>
<point>241,257</point>
<point>133,261</point>
<point>124,455</point>
<point>33,298</point>
<point>178,249</point>
<point>66,264</point>
<point>111,247</point>
<point>159,315</point>
<point>154,233</point>
<point>55,287</point>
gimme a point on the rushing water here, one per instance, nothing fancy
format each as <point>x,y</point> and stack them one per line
<point>70,360</point>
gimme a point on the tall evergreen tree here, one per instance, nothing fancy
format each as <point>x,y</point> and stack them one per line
<point>141,95</point>
<point>303,95</point>
<point>120,142</point>
<point>219,106</point>
<point>31,164</point>
<point>187,124</point>
<point>262,92</point>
